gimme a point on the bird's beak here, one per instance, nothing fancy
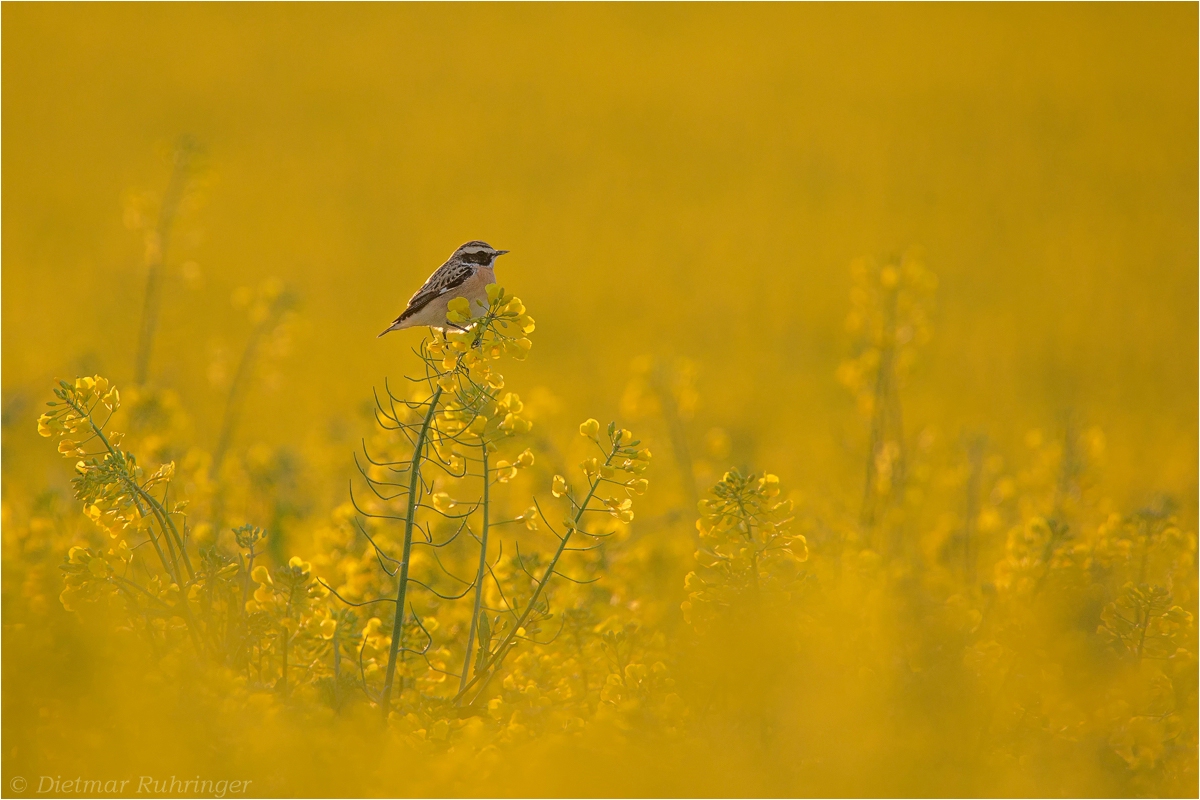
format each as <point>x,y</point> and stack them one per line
<point>500,253</point>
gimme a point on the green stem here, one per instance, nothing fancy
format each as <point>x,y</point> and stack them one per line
<point>483,542</point>
<point>497,658</point>
<point>287,637</point>
<point>138,492</point>
<point>1141,646</point>
<point>414,479</point>
<point>679,442</point>
<point>168,527</point>
<point>129,481</point>
<point>233,403</point>
<point>884,389</point>
<point>337,667</point>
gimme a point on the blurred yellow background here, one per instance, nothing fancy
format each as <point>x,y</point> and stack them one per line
<point>672,180</point>
<point>688,179</point>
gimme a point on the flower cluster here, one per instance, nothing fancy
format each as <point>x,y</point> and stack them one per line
<point>618,465</point>
<point>889,320</point>
<point>890,304</point>
<point>748,552</point>
<point>1144,622</point>
<point>1018,615</point>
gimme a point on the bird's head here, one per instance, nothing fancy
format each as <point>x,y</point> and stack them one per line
<point>479,253</point>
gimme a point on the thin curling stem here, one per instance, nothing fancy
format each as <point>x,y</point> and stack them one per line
<point>479,576</point>
<point>139,494</point>
<point>497,658</point>
<point>385,700</point>
<point>137,491</point>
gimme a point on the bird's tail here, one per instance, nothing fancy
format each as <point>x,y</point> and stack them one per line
<point>395,326</point>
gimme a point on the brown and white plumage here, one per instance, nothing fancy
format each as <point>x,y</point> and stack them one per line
<point>467,273</point>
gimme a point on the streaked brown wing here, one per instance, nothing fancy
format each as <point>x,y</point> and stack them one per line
<point>447,277</point>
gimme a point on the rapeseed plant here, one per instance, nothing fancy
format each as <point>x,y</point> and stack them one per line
<point>185,159</point>
<point>289,631</point>
<point>493,644</point>
<point>889,316</point>
<point>474,616</point>
<point>748,553</point>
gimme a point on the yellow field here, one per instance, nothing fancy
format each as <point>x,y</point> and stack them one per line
<point>898,302</point>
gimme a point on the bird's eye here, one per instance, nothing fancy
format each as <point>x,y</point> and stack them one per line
<point>480,257</point>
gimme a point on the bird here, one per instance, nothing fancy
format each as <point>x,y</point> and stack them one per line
<point>467,273</point>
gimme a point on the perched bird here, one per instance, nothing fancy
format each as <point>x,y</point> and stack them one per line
<point>466,273</point>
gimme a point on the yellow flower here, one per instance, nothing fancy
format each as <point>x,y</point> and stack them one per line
<point>530,518</point>
<point>638,486</point>
<point>458,310</point>
<point>505,471</point>
<point>558,486</point>
<point>590,429</point>
<point>514,424</point>
<point>123,553</point>
<point>443,502</point>
<point>616,504</point>
<point>526,458</point>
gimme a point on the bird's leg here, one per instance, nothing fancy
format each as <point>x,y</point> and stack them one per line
<point>474,344</point>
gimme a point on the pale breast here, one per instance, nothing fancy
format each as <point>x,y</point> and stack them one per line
<point>475,287</point>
